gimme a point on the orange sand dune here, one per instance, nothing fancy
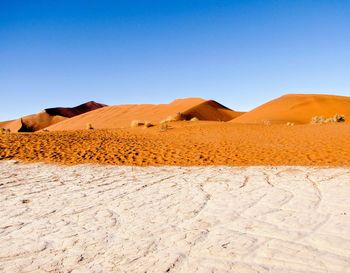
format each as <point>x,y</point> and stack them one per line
<point>121,115</point>
<point>50,116</point>
<point>187,143</point>
<point>213,111</point>
<point>297,108</point>
<point>14,125</point>
<point>36,122</point>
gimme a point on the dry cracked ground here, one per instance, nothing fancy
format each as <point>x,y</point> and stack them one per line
<point>90,218</point>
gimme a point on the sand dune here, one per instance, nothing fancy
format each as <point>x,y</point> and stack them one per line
<point>14,125</point>
<point>36,122</point>
<point>50,116</point>
<point>211,110</point>
<point>122,115</point>
<point>297,108</point>
<point>171,219</point>
<point>70,112</point>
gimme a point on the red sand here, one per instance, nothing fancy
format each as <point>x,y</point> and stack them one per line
<point>187,143</point>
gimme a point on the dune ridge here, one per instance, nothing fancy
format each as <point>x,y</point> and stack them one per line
<point>70,112</point>
<point>212,111</point>
<point>297,108</point>
<point>49,116</point>
<point>122,115</point>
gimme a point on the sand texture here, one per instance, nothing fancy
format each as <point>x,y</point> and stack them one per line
<point>90,218</point>
<point>187,143</point>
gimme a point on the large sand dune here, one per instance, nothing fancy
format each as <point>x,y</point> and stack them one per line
<point>210,219</point>
<point>297,108</point>
<point>122,115</point>
<point>50,116</point>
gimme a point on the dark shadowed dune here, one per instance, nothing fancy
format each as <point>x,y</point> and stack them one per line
<point>70,112</point>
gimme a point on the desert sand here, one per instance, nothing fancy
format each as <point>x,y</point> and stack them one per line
<point>120,116</point>
<point>187,144</point>
<point>91,218</point>
<point>297,108</point>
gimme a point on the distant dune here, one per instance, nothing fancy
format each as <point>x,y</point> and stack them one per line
<point>122,115</point>
<point>50,116</point>
<point>297,108</point>
<point>213,111</point>
<point>70,112</point>
<point>292,108</point>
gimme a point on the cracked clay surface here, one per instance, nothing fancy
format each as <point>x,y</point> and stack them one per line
<point>89,218</point>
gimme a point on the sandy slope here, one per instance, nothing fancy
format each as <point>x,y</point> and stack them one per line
<point>209,219</point>
<point>13,125</point>
<point>122,115</point>
<point>297,108</point>
<point>188,143</point>
<point>47,117</point>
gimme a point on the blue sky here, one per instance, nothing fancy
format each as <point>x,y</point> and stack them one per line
<point>240,53</point>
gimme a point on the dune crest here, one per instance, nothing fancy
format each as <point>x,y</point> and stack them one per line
<point>297,108</point>
<point>122,115</point>
<point>70,112</point>
<point>212,110</point>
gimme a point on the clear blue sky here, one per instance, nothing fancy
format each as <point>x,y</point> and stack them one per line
<point>240,53</point>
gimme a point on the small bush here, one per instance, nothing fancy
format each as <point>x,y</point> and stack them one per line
<point>2,130</point>
<point>266,122</point>
<point>339,118</point>
<point>89,126</point>
<point>321,120</point>
<point>164,126</point>
<point>194,119</point>
<point>137,123</point>
<point>148,124</point>
<point>178,117</point>
<point>318,120</point>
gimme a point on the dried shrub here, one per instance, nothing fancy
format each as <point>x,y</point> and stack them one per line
<point>2,130</point>
<point>137,123</point>
<point>317,120</point>
<point>321,120</point>
<point>89,126</point>
<point>148,124</point>
<point>266,122</point>
<point>339,118</point>
<point>178,117</point>
<point>164,126</point>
